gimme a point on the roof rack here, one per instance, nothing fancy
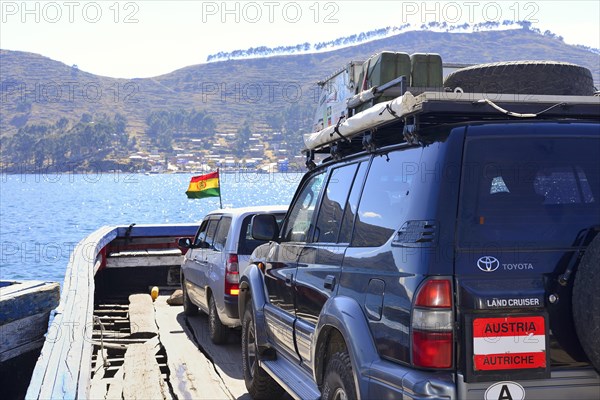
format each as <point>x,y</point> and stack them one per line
<point>438,107</point>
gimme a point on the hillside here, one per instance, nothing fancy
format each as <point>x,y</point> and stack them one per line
<point>262,95</point>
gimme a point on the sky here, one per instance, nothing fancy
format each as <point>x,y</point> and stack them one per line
<point>145,38</point>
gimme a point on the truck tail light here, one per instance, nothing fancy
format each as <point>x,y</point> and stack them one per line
<point>432,325</point>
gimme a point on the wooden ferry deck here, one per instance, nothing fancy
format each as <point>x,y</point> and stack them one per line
<point>151,350</point>
<point>108,339</point>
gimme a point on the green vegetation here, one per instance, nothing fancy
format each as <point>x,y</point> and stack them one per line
<point>240,109</point>
<point>67,145</point>
<point>264,51</point>
<point>163,126</point>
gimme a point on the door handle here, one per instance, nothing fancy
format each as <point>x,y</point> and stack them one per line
<point>329,282</point>
<point>288,278</point>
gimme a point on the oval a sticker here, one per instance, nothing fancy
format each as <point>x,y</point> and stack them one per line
<point>506,390</point>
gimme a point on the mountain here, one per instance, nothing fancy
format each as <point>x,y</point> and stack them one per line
<point>239,100</point>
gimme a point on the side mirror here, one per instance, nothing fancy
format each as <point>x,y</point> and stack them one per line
<point>264,227</point>
<point>186,243</point>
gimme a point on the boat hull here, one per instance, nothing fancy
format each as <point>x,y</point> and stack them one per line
<point>25,309</point>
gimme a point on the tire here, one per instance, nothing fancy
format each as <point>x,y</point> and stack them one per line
<point>189,308</point>
<point>339,379</point>
<point>219,333</point>
<point>524,77</point>
<point>260,385</point>
<point>586,302</point>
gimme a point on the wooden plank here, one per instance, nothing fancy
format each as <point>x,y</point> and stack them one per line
<point>18,286</point>
<point>119,360</point>
<point>115,387</point>
<point>115,346</point>
<point>28,298</point>
<point>141,315</point>
<point>121,312</point>
<point>142,376</point>
<point>98,386</point>
<point>193,376</point>
<point>145,253</point>
<point>83,350</point>
<point>124,341</point>
<point>16,335</point>
<point>175,230</point>
<point>137,261</point>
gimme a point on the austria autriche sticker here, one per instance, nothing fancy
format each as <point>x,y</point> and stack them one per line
<point>509,343</point>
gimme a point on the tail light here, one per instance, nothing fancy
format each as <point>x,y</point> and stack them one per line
<point>232,275</point>
<point>432,325</point>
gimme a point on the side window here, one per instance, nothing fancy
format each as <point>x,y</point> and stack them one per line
<point>298,224</point>
<point>335,198</point>
<point>385,197</point>
<point>222,233</point>
<point>201,235</point>
<point>211,231</point>
<point>247,243</point>
<point>352,205</point>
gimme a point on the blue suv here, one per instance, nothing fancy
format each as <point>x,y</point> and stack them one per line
<point>436,257</point>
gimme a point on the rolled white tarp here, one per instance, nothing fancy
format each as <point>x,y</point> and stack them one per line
<point>370,118</point>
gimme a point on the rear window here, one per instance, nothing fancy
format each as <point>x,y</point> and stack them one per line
<point>529,192</point>
<point>246,243</point>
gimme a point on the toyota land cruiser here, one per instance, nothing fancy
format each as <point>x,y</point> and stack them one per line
<point>451,251</point>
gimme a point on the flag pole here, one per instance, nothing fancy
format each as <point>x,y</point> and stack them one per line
<point>220,200</point>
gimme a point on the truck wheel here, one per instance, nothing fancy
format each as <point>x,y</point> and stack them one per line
<point>218,332</point>
<point>339,380</point>
<point>524,77</point>
<point>189,308</point>
<point>586,302</point>
<point>260,385</point>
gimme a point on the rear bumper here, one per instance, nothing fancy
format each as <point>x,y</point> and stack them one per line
<point>582,383</point>
<point>231,307</point>
<point>388,380</point>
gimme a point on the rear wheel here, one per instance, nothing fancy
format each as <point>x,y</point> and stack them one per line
<point>339,379</point>
<point>260,385</point>
<point>524,77</point>
<point>586,302</point>
<point>218,332</point>
<point>189,308</point>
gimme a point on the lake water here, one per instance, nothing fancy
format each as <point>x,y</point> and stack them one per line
<point>43,216</point>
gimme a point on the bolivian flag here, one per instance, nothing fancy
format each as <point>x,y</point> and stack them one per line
<point>204,186</point>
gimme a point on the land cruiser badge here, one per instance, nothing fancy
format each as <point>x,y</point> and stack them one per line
<point>488,263</point>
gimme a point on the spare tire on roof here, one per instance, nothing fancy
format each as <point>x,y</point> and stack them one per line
<point>586,302</point>
<point>524,77</point>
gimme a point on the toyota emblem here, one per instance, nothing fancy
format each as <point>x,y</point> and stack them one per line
<point>488,264</point>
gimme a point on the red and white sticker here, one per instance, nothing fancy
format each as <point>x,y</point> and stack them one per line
<point>509,343</point>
